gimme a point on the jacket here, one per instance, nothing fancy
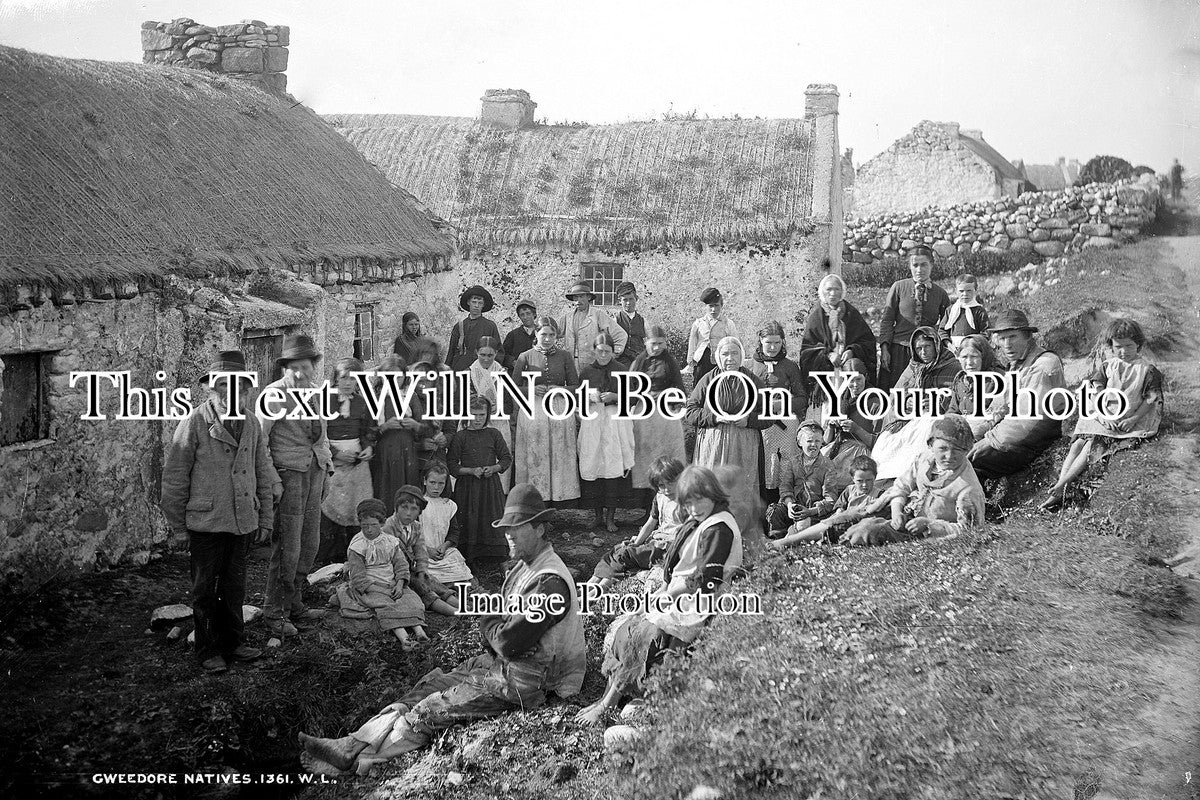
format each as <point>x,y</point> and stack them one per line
<point>290,440</point>
<point>213,484</point>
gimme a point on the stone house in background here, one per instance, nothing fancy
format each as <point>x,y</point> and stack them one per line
<point>935,164</point>
<point>751,206</point>
<point>1050,177</point>
<point>151,216</point>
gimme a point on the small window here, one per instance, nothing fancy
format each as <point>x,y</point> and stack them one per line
<point>24,400</point>
<point>364,332</point>
<point>604,277</point>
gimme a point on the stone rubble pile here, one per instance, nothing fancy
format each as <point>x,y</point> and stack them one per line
<point>251,50</point>
<point>1046,223</point>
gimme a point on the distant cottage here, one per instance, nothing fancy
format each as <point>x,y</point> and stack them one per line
<point>751,206</point>
<point>1050,177</point>
<point>935,164</point>
<point>149,217</point>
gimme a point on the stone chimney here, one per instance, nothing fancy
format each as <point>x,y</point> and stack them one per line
<point>507,108</point>
<point>251,50</point>
<point>820,99</point>
<point>973,133</point>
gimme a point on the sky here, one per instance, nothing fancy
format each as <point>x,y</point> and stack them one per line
<point>1073,78</point>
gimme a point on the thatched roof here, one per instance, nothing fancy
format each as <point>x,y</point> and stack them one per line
<point>633,184</point>
<point>989,154</point>
<point>1051,177</point>
<point>116,171</point>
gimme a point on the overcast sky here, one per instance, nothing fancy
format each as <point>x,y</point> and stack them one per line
<point>1041,78</point>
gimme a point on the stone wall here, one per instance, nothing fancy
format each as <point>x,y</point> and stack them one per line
<point>250,50</point>
<point>929,166</point>
<point>1045,224</point>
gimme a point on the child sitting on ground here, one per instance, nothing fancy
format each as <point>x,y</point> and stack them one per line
<point>850,436</point>
<point>378,574</point>
<point>850,507</point>
<point>967,315</point>
<point>805,487</point>
<point>939,496</point>
<point>404,525</point>
<point>446,564</point>
<point>1140,384</point>
<point>650,544</point>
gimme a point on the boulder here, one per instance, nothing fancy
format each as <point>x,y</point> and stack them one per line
<point>1054,223</point>
<point>1000,242</point>
<point>1021,246</point>
<point>1039,235</point>
<point>1054,248</point>
<point>1062,234</point>
<point>231,30</point>
<point>251,614</point>
<point>242,59</point>
<point>202,56</point>
<point>907,244</point>
<point>1102,242</point>
<point>155,40</point>
<point>1016,231</point>
<point>169,616</point>
<point>997,227</point>
<point>325,574</point>
<point>284,33</point>
<point>944,248</point>
<point>1095,230</point>
<point>620,737</point>
<point>1077,241</point>
<point>1005,285</point>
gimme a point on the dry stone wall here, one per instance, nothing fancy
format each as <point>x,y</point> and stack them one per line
<point>250,50</point>
<point>1045,224</point>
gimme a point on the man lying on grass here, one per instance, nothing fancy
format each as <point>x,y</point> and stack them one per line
<point>938,496</point>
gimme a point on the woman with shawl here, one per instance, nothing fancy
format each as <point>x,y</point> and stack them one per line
<point>410,332</point>
<point>771,365</point>
<point>835,334</point>
<point>737,441</point>
<point>395,463</point>
<point>547,450</point>
<point>483,384</point>
<point>975,355</point>
<point>902,440</point>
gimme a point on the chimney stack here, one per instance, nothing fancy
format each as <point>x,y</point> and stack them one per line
<point>973,133</point>
<point>820,99</point>
<point>507,108</point>
<point>251,50</point>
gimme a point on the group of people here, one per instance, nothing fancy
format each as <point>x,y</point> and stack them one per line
<point>828,471</point>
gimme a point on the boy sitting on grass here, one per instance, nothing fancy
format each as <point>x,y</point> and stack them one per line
<point>405,525</point>
<point>651,543</point>
<point>378,574</point>
<point>938,496</point>
<point>850,507</point>
<point>805,484</point>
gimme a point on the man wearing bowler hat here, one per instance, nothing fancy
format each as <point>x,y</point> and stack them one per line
<point>577,329</point>
<point>218,487</point>
<point>465,335</point>
<point>1010,444</point>
<point>300,451</point>
<point>525,659</point>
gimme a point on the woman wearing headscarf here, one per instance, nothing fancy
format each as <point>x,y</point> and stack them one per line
<point>410,333</point>
<point>737,442</point>
<point>902,441</point>
<point>396,460</point>
<point>771,365</point>
<point>835,334</point>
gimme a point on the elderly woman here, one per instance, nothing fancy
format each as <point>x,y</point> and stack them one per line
<point>975,355</point>
<point>352,437</point>
<point>725,391</point>
<point>771,365</point>
<point>547,449</point>
<point>835,333</point>
<point>902,441</point>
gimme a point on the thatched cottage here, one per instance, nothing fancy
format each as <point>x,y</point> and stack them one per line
<point>751,206</point>
<point>150,216</point>
<point>1051,177</point>
<point>935,164</point>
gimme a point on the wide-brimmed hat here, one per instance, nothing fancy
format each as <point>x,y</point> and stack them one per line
<point>581,287</point>
<point>710,295</point>
<point>524,504</point>
<point>476,291</point>
<point>525,302</point>
<point>624,288</point>
<point>298,347</point>
<point>954,429</point>
<point>408,490</point>
<point>228,361</point>
<point>1012,319</point>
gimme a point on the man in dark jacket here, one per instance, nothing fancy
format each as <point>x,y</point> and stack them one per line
<point>910,304</point>
<point>218,486</point>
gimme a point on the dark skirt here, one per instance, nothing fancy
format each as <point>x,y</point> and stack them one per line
<point>480,503</point>
<point>608,493</point>
<point>394,465</point>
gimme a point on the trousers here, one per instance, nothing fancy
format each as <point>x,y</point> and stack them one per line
<point>298,529</point>
<point>218,567</point>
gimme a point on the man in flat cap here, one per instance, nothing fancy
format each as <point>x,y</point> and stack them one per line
<point>1010,444</point>
<point>706,332</point>
<point>633,323</point>
<point>525,659</point>
<point>218,487</point>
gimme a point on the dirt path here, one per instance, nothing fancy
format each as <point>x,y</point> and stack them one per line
<point>1167,748</point>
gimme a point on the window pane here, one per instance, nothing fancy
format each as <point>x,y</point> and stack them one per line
<point>24,415</point>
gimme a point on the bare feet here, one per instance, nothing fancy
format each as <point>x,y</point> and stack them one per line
<point>339,753</point>
<point>422,636</point>
<point>593,714</point>
<point>318,767</point>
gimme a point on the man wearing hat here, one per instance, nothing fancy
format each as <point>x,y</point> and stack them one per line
<point>218,487</point>
<point>525,659</point>
<point>911,303</point>
<point>578,328</point>
<point>464,337</point>
<point>1011,444</point>
<point>630,321</point>
<point>706,332</point>
<point>300,451</point>
<point>521,338</point>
